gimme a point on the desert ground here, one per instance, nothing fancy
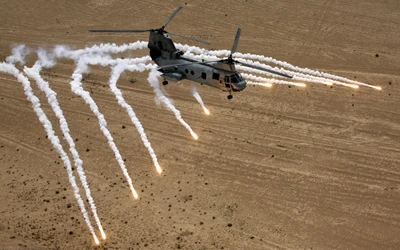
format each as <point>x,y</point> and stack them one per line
<point>274,168</point>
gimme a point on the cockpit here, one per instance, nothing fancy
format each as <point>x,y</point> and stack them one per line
<point>235,78</point>
<point>236,81</point>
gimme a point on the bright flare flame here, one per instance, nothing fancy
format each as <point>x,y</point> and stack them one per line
<point>103,235</point>
<point>376,87</point>
<point>328,83</point>
<point>135,195</point>
<point>268,85</point>
<point>299,84</point>
<point>206,111</point>
<point>194,135</point>
<point>158,168</point>
<point>95,238</point>
<point>354,86</point>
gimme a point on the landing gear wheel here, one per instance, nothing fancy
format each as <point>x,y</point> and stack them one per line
<point>164,83</point>
<point>230,96</point>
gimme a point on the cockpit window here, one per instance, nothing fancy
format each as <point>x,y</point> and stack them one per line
<point>234,79</point>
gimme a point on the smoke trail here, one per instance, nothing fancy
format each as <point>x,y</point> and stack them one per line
<point>76,87</point>
<point>34,73</point>
<point>296,75</point>
<point>271,80</point>
<point>66,52</point>
<point>153,80</point>
<point>11,69</point>
<point>106,60</point>
<point>264,84</point>
<point>19,53</point>
<point>199,100</point>
<point>115,74</point>
<point>120,65</point>
<point>303,70</point>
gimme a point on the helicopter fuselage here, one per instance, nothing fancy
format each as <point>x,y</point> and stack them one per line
<point>207,74</point>
<point>175,68</point>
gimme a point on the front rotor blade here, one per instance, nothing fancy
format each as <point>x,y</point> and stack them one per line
<point>235,43</point>
<point>113,31</point>
<point>172,16</point>
<point>267,70</point>
<point>191,38</point>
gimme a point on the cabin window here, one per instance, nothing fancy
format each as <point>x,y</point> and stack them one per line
<point>227,81</point>
<point>215,76</point>
<point>204,75</point>
<point>192,72</point>
<point>186,71</point>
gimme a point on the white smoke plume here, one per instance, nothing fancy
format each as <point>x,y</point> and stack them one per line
<point>199,100</point>
<point>76,87</point>
<point>270,80</point>
<point>66,52</point>
<point>10,69</point>
<point>302,70</point>
<point>115,74</point>
<point>153,80</point>
<point>296,75</point>
<point>111,48</point>
<point>19,52</point>
<point>43,85</point>
<point>120,65</point>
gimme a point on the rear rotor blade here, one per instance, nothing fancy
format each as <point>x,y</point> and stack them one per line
<point>235,43</point>
<point>191,38</point>
<point>172,16</point>
<point>189,63</point>
<point>267,70</point>
<point>114,31</point>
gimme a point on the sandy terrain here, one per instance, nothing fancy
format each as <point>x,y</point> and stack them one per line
<point>279,168</point>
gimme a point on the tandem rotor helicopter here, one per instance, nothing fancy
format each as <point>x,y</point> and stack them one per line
<point>174,67</point>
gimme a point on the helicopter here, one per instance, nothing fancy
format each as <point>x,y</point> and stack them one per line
<point>220,74</point>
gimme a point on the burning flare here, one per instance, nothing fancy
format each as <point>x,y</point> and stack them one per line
<point>96,240</point>
<point>264,84</point>
<point>135,194</point>
<point>103,235</point>
<point>377,87</point>
<point>194,135</point>
<point>299,84</point>
<point>206,111</point>
<point>199,100</point>
<point>158,168</point>
<point>353,86</point>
